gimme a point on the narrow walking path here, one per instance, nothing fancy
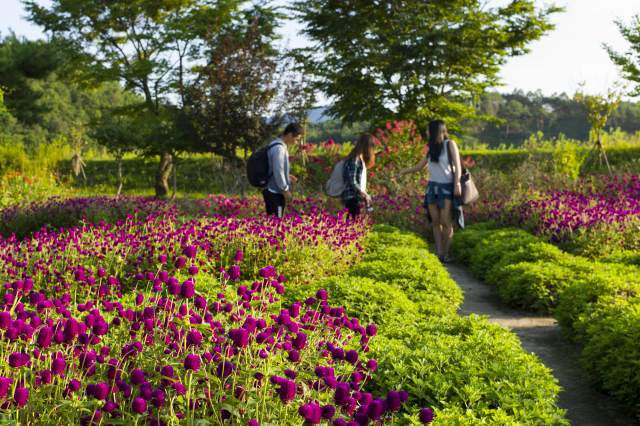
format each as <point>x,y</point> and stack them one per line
<point>542,336</point>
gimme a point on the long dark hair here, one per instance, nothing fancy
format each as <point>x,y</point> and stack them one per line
<point>365,147</point>
<point>437,136</point>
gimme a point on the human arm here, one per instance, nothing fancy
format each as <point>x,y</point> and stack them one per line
<point>417,168</point>
<point>353,171</point>
<point>455,155</point>
<point>278,160</point>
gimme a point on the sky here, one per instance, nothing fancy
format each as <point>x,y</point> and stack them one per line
<point>569,55</point>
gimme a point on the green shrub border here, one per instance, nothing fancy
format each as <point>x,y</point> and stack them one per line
<point>468,371</point>
<point>596,301</point>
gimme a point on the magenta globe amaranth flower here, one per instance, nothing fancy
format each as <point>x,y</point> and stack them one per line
<point>44,337</point>
<point>101,391</point>
<point>351,357</point>
<point>241,338</point>
<point>100,328</point>
<point>372,364</point>
<point>193,270</point>
<point>21,396</point>
<point>371,330</point>
<point>426,416</point>
<point>375,410</point>
<point>192,362</point>
<point>393,401</point>
<point>287,391</point>
<point>137,376</point>
<point>8,299</point>
<point>341,395</point>
<point>180,262</point>
<point>234,273</point>
<point>16,360</point>
<point>139,406</point>
<point>187,289</point>
<point>361,419</point>
<point>328,411</point>
<point>58,366</point>
<point>224,369</point>
<point>190,251</point>
<point>194,337</point>
<point>5,383</point>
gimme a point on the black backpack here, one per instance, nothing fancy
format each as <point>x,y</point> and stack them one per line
<point>258,171</point>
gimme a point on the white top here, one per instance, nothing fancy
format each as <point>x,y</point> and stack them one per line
<point>363,179</point>
<point>441,171</point>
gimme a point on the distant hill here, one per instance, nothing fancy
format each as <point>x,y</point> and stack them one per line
<point>317,115</point>
<point>525,114</point>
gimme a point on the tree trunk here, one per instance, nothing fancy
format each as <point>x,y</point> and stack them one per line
<point>119,177</point>
<point>173,196</point>
<point>162,175</point>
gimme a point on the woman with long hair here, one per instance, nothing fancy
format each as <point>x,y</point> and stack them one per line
<point>361,158</point>
<point>444,183</point>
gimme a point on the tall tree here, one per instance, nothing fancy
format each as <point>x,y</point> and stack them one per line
<point>629,62</point>
<point>21,62</point>
<point>383,60</point>
<point>244,93</point>
<point>119,135</point>
<point>145,44</point>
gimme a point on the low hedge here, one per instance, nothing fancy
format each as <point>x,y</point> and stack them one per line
<point>596,301</point>
<point>622,157</point>
<point>468,371</point>
<point>475,373</point>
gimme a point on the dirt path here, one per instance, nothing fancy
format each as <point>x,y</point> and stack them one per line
<point>542,336</point>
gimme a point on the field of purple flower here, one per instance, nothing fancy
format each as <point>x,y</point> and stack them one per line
<point>167,321</point>
<point>142,312</point>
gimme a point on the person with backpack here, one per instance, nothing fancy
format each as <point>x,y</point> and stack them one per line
<point>444,182</point>
<point>361,158</point>
<point>277,194</point>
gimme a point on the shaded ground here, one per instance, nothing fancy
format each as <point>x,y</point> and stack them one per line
<point>542,336</point>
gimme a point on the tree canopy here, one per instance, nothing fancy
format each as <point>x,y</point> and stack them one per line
<point>629,62</point>
<point>21,62</point>
<point>380,60</point>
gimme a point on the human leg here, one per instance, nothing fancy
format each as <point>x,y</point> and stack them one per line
<point>267,204</point>
<point>353,205</point>
<point>434,211</point>
<point>446,219</point>
<point>275,203</point>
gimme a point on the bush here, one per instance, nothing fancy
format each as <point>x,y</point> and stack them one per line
<point>612,351</point>
<point>494,246</point>
<point>584,297</point>
<point>416,278</point>
<point>365,299</point>
<point>627,257</point>
<point>534,286</point>
<point>502,382</point>
<point>379,241</point>
<point>597,302</point>
<point>465,242</point>
<point>422,343</point>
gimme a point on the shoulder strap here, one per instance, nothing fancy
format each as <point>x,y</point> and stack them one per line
<point>446,147</point>
<point>275,144</point>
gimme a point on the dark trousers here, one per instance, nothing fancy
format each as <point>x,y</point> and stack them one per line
<point>274,203</point>
<point>353,205</point>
